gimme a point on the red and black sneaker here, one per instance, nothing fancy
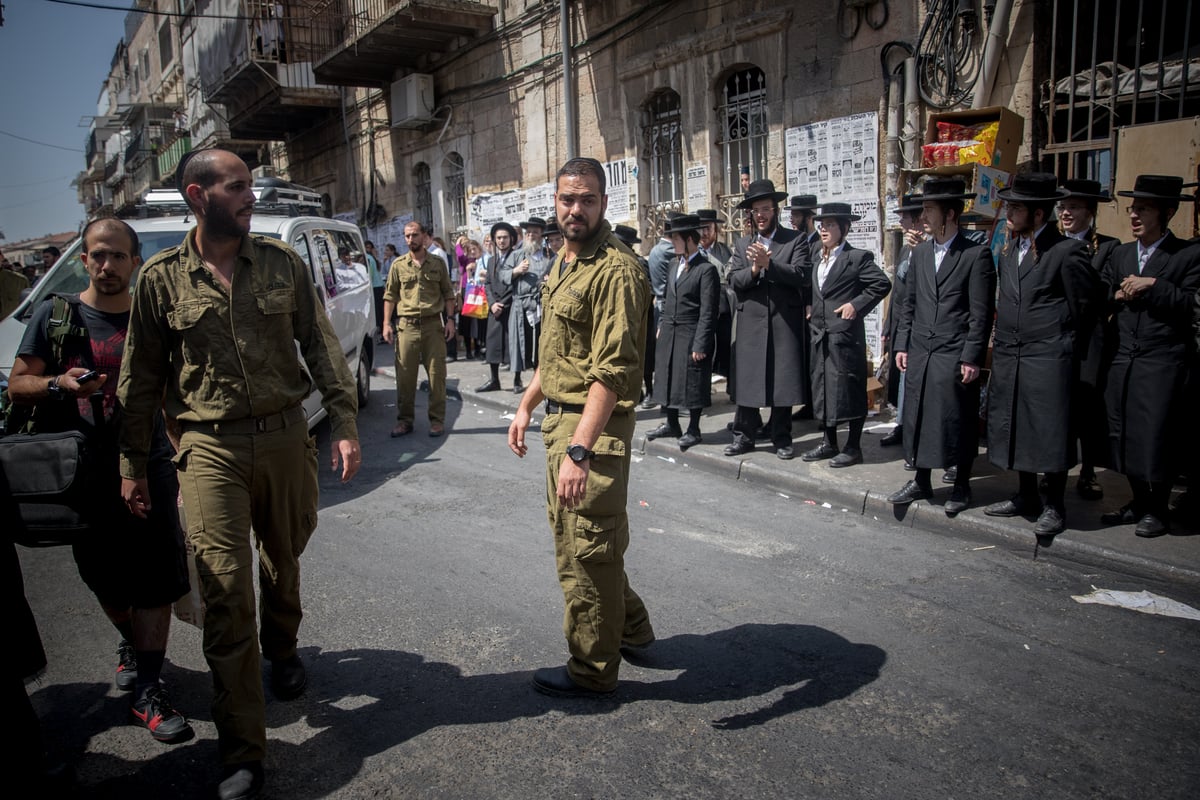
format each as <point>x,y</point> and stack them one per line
<point>154,711</point>
<point>126,667</point>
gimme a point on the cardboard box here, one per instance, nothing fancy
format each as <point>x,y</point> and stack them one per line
<point>1008,137</point>
<point>985,182</point>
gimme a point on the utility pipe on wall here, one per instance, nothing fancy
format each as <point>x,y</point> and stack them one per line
<point>992,51</point>
<point>570,104</point>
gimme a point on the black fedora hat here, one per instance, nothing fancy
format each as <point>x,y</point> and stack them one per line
<point>761,189</point>
<point>503,226</point>
<point>708,215</point>
<point>945,189</point>
<point>533,222</point>
<point>551,227</point>
<point>1085,189</point>
<point>838,210</point>
<point>1033,187</point>
<point>681,223</point>
<point>909,204</point>
<point>626,234</point>
<point>1159,187</point>
<point>802,202</point>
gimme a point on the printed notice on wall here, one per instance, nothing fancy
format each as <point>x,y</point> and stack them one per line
<point>487,209</point>
<point>697,187</point>
<point>836,160</point>
<point>539,201</point>
<point>621,190</point>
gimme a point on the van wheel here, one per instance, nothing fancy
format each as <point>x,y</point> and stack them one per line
<point>363,377</point>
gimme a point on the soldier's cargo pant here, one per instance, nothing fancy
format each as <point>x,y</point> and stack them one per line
<point>233,483</point>
<point>420,343</point>
<point>589,548</point>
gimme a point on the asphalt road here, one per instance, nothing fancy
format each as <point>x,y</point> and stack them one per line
<point>803,652</point>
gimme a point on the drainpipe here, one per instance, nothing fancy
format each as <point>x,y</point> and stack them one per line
<point>570,104</point>
<point>992,51</point>
<point>911,134</point>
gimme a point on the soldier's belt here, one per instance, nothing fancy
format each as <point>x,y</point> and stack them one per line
<point>415,318</point>
<point>250,425</point>
<point>553,407</point>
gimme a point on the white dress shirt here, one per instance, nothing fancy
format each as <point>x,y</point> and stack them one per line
<point>827,261</point>
<point>939,251</point>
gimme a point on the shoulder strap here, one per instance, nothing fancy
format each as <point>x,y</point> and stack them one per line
<point>66,329</point>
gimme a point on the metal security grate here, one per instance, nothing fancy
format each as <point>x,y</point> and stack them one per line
<point>423,194</point>
<point>663,147</point>
<point>744,130</point>
<point>456,193</point>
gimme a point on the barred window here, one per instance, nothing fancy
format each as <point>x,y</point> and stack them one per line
<point>663,146</point>
<point>743,138</point>
<point>456,193</point>
<point>423,195</point>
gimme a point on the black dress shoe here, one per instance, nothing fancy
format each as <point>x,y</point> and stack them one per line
<point>647,404</point>
<point>1150,526</point>
<point>739,446</point>
<point>1015,506</point>
<point>490,386</point>
<point>1124,515</point>
<point>847,458</point>
<point>288,678</point>
<point>950,476</point>
<point>960,498</point>
<point>241,781</point>
<point>689,439</point>
<point>556,682</point>
<point>785,453</point>
<point>1089,488</point>
<point>908,493</point>
<point>820,453</point>
<point>665,431</point>
<point>518,388</point>
<point>893,437</point>
<point>1050,522</point>
<point>909,466</point>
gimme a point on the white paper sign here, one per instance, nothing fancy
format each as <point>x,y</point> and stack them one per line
<point>697,187</point>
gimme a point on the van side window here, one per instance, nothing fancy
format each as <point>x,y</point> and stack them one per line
<point>300,245</point>
<point>324,258</point>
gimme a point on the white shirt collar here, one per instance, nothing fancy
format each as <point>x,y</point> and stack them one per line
<point>1150,250</point>
<point>1083,235</point>
<point>834,253</point>
<point>945,245</point>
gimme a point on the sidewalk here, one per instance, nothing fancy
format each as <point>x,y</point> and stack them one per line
<point>863,489</point>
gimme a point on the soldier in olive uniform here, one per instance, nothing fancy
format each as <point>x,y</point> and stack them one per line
<point>595,305</point>
<point>212,340</point>
<point>417,295</point>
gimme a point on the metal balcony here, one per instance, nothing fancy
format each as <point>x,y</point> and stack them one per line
<point>365,42</point>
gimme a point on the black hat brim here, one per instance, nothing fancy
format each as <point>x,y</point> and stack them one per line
<point>752,199</point>
<point>1010,196</point>
<point>1168,198</point>
<point>851,217</point>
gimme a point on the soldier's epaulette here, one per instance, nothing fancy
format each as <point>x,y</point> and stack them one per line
<point>161,256</point>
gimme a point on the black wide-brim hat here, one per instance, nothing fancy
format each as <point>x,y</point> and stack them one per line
<point>802,202</point>
<point>1085,189</point>
<point>1033,187</point>
<point>533,222</point>
<point>551,227</point>
<point>945,189</point>
<point>708,215</point>
<point>503,226</point>
<point>909,204</point>
<point>1159,187</point>
<point>626,234</point>
<point>837,210</point>
<point>683,223</point>
<point>761,189</point>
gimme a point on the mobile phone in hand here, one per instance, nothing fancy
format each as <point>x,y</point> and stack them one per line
<point>87,377</point>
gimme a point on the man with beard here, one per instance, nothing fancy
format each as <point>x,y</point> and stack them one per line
<point>803,208</point>
<point>135,567</point>
<point>525,280</point>
<point>771,274</point>
<point>945,321</point>
<point>213,335</point>
<point>1043,317</point>
<point>719,253</point>
<point>421,299</point>
<point>589,373</point>
<point>846,286</point>
<point>909,214</point>
<point>499,293</point>
<point>1151,285</point>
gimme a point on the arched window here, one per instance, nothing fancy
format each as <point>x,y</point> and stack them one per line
<point>744,135</point>
<point>456,193</point>
<point>662,149</point>
<point>422,195</point>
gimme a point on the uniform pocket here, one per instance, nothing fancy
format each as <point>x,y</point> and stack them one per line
<point>186,315</point>
<point>277,301</point>
<point>595,538</point>
<point>574,320</point>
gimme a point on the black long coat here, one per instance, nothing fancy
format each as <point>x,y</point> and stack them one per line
<point>1043,317</point>
<point>1090,411</point>
<point>499,292</point>
<point>945,321</point>
<point>770,362</point>
<point>839,346</point>
<point>686,325</point>
<point>1145,386</point>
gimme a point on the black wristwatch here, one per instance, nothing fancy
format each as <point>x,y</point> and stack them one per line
<point>54,391</point>
<point>579,453</point>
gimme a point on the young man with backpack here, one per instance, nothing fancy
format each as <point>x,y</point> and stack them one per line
<point>136,568</point>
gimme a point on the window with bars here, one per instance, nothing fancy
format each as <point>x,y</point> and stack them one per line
<point>1115,63</point>
<point>662,147</point>
<point>743,138</point>
<point>423,195</point>
<point>456,193</point>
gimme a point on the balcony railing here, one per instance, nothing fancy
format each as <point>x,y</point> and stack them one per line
<point>169,157</point>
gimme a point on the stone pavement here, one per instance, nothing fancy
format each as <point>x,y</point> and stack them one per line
<point>862,489</point>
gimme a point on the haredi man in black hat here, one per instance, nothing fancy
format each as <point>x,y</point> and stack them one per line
<point>803,207</point>
<point>1153,282</point>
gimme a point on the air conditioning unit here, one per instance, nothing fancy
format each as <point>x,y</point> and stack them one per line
<point>264,171</point>
<point>412,101</point>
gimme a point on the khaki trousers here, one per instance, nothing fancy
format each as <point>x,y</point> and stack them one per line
<point>232,485</point>
<point>420,343</point>
<point>602,610</point>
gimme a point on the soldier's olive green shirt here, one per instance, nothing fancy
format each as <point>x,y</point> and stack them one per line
<point>208,354</point>
<point>418,290</point>
<point>594,323</point>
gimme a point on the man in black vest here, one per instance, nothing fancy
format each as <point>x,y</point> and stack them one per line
<point>1151,284</point>
<point>1044,314</point>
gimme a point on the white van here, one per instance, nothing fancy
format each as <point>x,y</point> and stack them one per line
<point>345,292</point>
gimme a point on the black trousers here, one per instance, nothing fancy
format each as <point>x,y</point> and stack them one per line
<point>748,419</point>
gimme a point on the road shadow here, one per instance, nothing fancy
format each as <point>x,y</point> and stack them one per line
<point>362,702</point>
